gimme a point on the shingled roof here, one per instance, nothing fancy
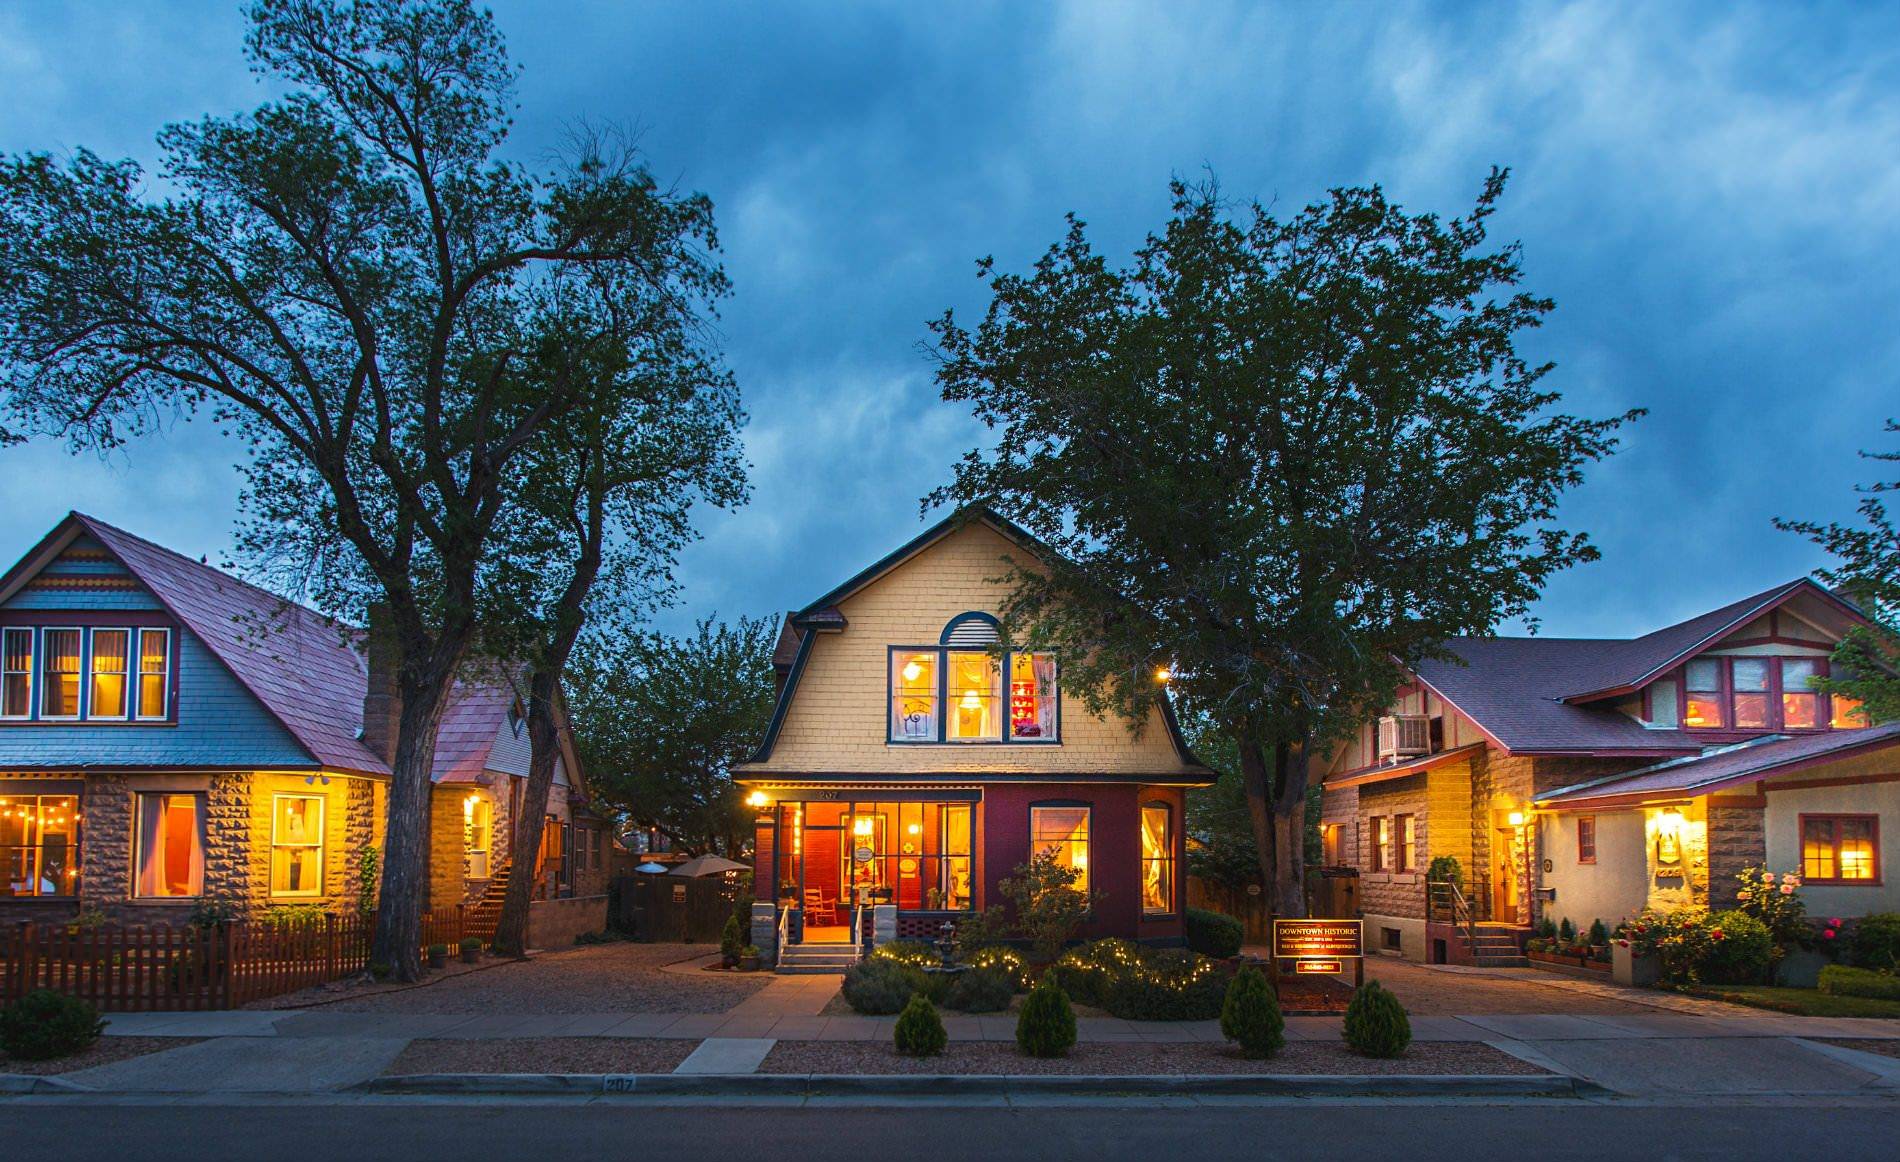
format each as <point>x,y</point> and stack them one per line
<point>1725,766</point>
<point>306,669</point>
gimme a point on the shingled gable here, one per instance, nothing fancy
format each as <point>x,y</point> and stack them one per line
<point>801,626</point>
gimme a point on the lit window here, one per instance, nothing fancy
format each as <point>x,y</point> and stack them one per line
<point>155,647</point>
<point>171,856</point>
<point>39,845</point>
<point>1405,831</point>
<point>1032,696</point>
<point>1586,839</point>
<point>1381,843</point>
<point>1157,858</point>
<point>1800,705</point>
<point>1703,704</point>
<point>1750,678</point>
<point>16,674</point>
<point>296,845</point>
<point>1847,713</point>
<point>478,830</point>
<point>1064,832</point>
<point>1840,848</point>
<point>972,697</point>
<point>914,696</point>
<point>110,667</point>
<point>60,698</point>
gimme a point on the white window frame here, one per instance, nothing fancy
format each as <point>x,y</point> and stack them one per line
<point>41,660</point>
<point>164,678</point>
<point>323,806</point>
<point>92,715</point>
<point>32,660</point>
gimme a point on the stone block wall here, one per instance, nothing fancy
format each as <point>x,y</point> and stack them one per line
<point>1738,838</point>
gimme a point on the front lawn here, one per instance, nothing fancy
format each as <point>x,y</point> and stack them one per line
<point>1802,1002</point>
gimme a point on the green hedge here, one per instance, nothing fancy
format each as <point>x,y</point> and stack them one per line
<point>1142,984</point>
<point>1213,934</point>
<point>1877,942</point>
<point>1838,980</point>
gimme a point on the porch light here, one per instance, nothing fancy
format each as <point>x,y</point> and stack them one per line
<point>1515,819</point>
<point>757,799</point>
<point>1669,823</point>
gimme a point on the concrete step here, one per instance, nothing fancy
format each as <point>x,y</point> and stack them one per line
<point>1484,961</point>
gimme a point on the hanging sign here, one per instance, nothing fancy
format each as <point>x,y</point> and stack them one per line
<point>1325,939</point>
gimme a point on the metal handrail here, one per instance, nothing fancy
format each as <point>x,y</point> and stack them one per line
<point>857,930</point>
<point>1461,915</point>
<point>784,928</point>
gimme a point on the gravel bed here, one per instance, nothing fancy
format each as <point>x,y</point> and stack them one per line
<point>104,1051</point>
<point>1865,1045</point>
<point>1104,1058</point>
<point>542,1055</point>
<point>601,978</point>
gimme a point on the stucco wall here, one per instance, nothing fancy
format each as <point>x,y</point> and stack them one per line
<point>838,720</point>
<point>1614,888</point>
<point>1782,824</point>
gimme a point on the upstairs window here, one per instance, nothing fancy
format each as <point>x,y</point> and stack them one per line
<point>1703,704</point>
<point>1751,679</point>
<point>956,692</point>
<point>914,696</point>
<point>1755,693</point>
<point>973,699</point>
<point>110,670</point>
<point>1032,696</point>
<point>1800,704</point>
<point>60,694</point>
<point>16,674</point>
<point>155,670</point>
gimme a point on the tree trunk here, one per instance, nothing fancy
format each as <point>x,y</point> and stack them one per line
<point>1258,780</point>
<point>511,929</point>
<point>1289,812</point>
<point>406,837</point>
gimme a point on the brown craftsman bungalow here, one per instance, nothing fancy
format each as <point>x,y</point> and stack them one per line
<point>909,765</point>
<point>1588,779</point>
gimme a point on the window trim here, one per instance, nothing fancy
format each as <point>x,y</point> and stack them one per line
<point>1404,851</point>
<point>1378,835</point>
<point>1834,817</point>
<point>941,735</point>
<point>165,676</point>
<point>75,792</point>
<point>41,658</point>
<point>138,844</point>
<point>1592,821</point>
<point>90,673</point>
<point>323,812</point>
<point>32,677</point>
<point>1088,844</point>
<point>1777,719</point>
<point>1174,884</point>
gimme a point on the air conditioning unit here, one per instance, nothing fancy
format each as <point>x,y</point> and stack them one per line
<point>1404,736</point>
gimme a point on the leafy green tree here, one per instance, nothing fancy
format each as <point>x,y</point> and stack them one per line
<point>661,721</point>
<point>1280,460</point>
<point>1866,664</point>
<point>353,281</point>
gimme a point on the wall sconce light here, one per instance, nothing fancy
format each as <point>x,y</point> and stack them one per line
<point>312,780</point>
<point>758,799</point>
<point>1515,819</point>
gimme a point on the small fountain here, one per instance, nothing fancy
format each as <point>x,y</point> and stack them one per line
<point>946,945</point>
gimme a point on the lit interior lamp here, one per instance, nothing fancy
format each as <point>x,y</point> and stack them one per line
<point>757,799</point>
<point>912,671</point>
<point>971,701</point>
<point>1080,862</point>
<point>863,825</point>
<point>914,829</point>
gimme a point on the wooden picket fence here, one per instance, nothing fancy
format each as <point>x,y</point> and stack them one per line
<point>141,968</point>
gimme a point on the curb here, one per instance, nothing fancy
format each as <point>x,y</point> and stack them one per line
<point>23,1083</point>
<point>952,1085</point>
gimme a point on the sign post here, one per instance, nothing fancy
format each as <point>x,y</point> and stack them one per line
<point>1321,946</point>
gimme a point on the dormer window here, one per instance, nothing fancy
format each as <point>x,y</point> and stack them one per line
<point>1753,693</point>
<point>16,674</point>
<point>72,674</point>
<point>954,692</point>
<point>59,693</point>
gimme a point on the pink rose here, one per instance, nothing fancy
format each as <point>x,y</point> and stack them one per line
<point>1716,935</point>
<point>1828,935</point>
<point>1787,889</point>
<point>1834,923</point>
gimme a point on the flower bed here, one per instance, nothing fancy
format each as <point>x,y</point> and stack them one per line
<point>1570,960</point>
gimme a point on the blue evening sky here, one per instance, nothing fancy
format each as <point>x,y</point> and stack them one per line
<point>1709,192</point>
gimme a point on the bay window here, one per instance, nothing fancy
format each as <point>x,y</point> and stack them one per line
<point>155,652</point>
<point>39,845</point>
<point>171,853</point>
<point>59,697</point>
<point>16,674</point>
<point>1157,859</point>
<point>110,666</point>
<point>1062,830</point>
<point>296,845</point>
<point>1840,849</point>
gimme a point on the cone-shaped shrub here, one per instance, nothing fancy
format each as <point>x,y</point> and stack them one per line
<point>1376,1024</point>
<point>44,1024</point>
<point>1046,1025</point>
<point>1250,1016</point>
<point>919,1029</point>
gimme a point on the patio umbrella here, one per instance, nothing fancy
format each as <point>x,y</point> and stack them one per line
<point>707,865</point>
<point>651,868</point>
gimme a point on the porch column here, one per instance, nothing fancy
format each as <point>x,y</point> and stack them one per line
<point>765,930</point>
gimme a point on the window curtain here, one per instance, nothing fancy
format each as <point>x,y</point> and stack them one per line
<point>171,853</point>
<point>1045,667</point>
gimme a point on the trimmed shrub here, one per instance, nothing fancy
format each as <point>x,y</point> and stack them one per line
<point>1838,980</point>
<point>981,990</point>
<point>919,1029</point>
<point>1170,985</point>
<point>1445,869</point>
<point>1046,1025</point>
<point>915,953</point>
<point>1737,949</point>
<point>1599,935</point>
<point>1086,972</point>
<point>1877,942</point>
<point>44,1024</point>
<point>1376,1024</point>
<point>879,988</point>
<point>1211,933</point>
<point>471,944</point>
<point>1005,960</point>
<point>731,940</point>
<point>1250,1015</point>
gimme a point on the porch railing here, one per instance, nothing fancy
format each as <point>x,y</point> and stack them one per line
<point>857,930</point>
<point>1446,903</point>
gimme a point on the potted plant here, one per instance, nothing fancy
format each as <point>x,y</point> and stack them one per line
<point>749,958</point>
<point>471,950</point>
<point>438,956</point>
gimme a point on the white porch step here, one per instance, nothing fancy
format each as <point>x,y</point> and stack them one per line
<point>816,958</point>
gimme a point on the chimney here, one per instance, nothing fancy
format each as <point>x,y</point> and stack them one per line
<point>382,704</point>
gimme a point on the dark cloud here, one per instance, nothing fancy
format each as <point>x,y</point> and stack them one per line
<point>1707,191</point>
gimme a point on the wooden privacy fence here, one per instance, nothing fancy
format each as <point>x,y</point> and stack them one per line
<point>657,906</point>
<point>140,968</point>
